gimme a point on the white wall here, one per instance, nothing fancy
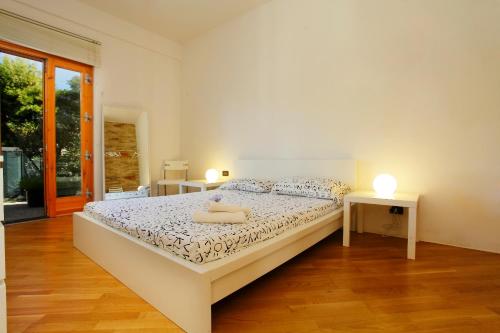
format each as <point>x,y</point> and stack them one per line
<point>142,133</point>
<point>406,87</point>
<point>139,70</point>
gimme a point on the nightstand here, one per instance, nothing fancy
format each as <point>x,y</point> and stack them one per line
<point>408,200</point>
<point>202,184</point>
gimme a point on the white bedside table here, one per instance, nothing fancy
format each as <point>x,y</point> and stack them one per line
<point>408,200</point>
<point>202,184</point>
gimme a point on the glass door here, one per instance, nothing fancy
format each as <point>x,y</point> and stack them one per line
<point>71,149</point>
<point>46,133</point>
<point>21,133</point>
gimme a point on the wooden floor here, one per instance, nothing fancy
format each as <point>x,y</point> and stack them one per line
<point>370,287</point>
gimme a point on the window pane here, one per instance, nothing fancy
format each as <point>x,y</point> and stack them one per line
<point>21,133</point>
<point>68,163</point>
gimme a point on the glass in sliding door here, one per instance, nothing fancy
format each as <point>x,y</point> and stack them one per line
<point>70,132</point>
<point>21,110</point>
<point>68,143</point>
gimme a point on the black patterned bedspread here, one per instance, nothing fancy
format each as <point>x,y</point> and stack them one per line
<point>167,222</point>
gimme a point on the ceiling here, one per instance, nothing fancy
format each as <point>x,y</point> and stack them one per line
<point>178,20</point>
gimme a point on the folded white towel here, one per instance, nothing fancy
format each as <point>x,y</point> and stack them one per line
<point>220,207</point>
<point>219,217</point>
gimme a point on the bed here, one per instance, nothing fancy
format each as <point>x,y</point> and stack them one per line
<point>183,272</point>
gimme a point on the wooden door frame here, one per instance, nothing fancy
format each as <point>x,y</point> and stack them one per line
<point>53,205</point>
<point>68,205</point>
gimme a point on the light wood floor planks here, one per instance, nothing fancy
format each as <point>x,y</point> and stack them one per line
<point>370,287</point>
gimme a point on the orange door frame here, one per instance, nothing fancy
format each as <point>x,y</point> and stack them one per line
<point>61,206</point>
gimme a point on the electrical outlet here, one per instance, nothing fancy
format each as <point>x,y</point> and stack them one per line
<point>396,210</point>
<point>225,173</point>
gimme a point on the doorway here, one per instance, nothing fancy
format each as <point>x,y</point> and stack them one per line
<point>46,133</point>
<point>21,114</point>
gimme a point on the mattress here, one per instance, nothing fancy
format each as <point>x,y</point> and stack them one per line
<point>166,221</point>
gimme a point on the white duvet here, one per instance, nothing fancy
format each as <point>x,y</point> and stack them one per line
<point>167,222</point>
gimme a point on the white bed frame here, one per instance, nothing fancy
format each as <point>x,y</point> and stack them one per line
<point>184,291</point>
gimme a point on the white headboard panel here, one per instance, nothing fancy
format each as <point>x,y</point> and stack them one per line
<point>344,170</point>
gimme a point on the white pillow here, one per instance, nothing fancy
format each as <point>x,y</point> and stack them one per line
<point>249,185</point>
<point>313,187</point>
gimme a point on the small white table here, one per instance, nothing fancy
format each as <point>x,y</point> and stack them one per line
<point>202,184</point>
<point>408,200</point>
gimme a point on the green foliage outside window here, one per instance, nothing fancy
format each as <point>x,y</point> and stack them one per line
<point>21,108</point>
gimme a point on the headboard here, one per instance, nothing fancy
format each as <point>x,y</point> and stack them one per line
<point>344,170</point>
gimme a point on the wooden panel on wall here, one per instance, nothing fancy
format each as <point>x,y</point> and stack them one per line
<point>121,163</point>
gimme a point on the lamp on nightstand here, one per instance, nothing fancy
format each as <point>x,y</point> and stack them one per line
<point>385,185</point>
<point>212,175</point>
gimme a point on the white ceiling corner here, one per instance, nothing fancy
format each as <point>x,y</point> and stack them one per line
<point>178,20</point>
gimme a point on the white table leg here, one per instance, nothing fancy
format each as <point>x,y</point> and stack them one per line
<point>360,218</point>
<point>182,189</point>
<point>412,231</point>
<point>347,222</point>
<point>203,188</point>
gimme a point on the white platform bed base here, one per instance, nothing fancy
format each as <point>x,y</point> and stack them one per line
<point>184,291</point>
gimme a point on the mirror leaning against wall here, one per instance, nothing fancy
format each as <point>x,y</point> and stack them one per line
<point>126,153</point>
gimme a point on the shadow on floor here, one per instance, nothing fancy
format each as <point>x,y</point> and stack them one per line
<point>20,211</point>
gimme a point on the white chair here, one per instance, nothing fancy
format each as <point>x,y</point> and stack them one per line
<point>169,166</point>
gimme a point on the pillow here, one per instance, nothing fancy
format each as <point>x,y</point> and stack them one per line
<point>313,187</point>
<point>249,185</point>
